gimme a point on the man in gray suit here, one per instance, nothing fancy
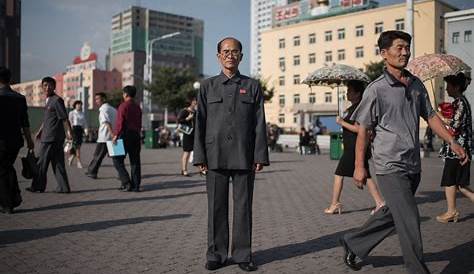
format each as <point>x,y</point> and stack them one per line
<point>230,142</point>
<point>392,106</point>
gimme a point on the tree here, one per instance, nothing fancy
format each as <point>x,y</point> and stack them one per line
<point>267,91</point>
<point>172,87</point>
<point>374,69</point>
<point>114,97</point>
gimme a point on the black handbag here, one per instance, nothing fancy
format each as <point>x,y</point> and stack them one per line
<point>29,163</point>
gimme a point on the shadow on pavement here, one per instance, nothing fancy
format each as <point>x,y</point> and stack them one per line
<point>423,197</point>
<point>173,185</point>
<point>145,176</point>
<point>25,235</point>
<point>110,201</point>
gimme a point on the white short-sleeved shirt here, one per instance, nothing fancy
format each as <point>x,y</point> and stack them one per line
<point>77,118</point>
<point>107,114</point>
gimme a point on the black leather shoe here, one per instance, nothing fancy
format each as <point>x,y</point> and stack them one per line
<point>32,190</point>
<point>248,266</point>
<point>125,188</point>
<point>349,256</point>
<point>213,265</point>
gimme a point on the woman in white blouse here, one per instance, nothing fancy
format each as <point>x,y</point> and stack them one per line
<point>78,123</point>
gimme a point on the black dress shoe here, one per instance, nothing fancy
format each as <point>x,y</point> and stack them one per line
<point>248,266</point>
<point>349,256</point>
<point>213,265</point>
<point>125,188</point>
<point>32,190</point>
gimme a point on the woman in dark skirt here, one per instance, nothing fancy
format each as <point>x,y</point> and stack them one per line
<point>345,168</point>
<point>455,175</point>
<point>78,123</point>
<point>186,118</point>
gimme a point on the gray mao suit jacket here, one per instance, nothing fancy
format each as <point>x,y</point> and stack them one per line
<point>230,130</point>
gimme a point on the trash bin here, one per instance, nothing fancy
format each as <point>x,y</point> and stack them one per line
<point>336,147</point>
<point>151,139</point>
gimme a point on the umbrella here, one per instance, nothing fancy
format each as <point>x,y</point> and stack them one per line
<point>435,65</point>
<point>335,75</point>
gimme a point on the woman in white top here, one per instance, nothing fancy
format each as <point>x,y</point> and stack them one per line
<point>78,123</point>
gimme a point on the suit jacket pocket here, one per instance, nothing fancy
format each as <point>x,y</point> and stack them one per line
<point>247,99</point>
<point>212,100</point>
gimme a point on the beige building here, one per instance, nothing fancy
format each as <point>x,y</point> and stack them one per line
<point>32,91</point>
<point>290,53</point>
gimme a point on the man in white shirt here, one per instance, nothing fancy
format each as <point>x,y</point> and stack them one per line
<point>107,116</point>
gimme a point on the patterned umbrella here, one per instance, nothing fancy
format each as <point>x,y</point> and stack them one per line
<point>335,75</point>
<point>430,66</point>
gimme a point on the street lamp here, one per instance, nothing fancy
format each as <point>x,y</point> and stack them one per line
<point>148,78</point>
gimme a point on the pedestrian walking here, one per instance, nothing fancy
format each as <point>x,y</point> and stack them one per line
<point>127,127</point>
<point>107,117</point>
<point>345,168</point>
<point>230,142</point>
<point>456,176</point>
<point>52,133</point>
<point>392,106</point>
<point>78,124</point>
<point>304,141</point>
<point>14,122</point>
<point>186,120</point>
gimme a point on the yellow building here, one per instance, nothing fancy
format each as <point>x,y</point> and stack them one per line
<point>289,53</point>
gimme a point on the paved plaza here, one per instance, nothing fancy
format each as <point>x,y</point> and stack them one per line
<point>98,229</point>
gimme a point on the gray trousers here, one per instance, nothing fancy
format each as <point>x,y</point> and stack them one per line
<point>51,152</point>
<point>218,214</point>
<point>99,154</point>
<point>400,215</point>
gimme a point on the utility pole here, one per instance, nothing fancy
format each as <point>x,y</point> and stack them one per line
<point>411,25</point>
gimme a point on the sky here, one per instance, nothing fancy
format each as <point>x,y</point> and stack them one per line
<point>53,31</point>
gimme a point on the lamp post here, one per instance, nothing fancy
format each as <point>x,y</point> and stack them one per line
<point>148,79</point>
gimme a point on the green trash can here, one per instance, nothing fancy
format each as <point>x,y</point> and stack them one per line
<point>336,147</point>
<point>151,139</point>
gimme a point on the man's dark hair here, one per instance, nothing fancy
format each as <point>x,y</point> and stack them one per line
<point>130,91</point>
<point>77,102</point>
<point>190,99</point>
<point>460,80</point>
<point>386,38</point>
<point>219,45</point>
<point>358,86</point>
<point>5,75</point>
<point>49,80</point>
<point>102,95</point>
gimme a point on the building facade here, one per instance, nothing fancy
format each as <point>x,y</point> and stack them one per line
<point>459,41</point>
<point>291,52</point>
<point>10,37</point>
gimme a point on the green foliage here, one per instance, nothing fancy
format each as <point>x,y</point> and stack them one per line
<point>267,91</point>
<point>114,97</point>
<point>172,87</point>
<point>374,69</point>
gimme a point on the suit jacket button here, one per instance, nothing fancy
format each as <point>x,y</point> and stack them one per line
<point>229,137</point>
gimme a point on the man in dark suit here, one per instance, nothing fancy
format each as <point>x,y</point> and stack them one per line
<point>230,142</point>
<point>14,121</point>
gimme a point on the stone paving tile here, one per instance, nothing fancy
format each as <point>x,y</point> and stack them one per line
<point>98,229</point>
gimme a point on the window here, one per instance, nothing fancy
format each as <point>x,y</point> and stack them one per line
<point>281,80</point>
<point>328,97</point>
<point>312,98</point>
<point>359,52</point>
<point>455,37</point>
<point>281,63</point>
<point>296,98</point>
<point>296,60</point>
<point>468,36</point>
<point>281,118</point>
<point>295,118</point>
<point>282,100</point>
<point>328,56</point>
<point>328,35</point>
<point>341,54</point>
<point>296,41</point>
<point>400,24</point>
<point>359,31</point>
<point>281,43</point>
<point>378,27</point>
<point>312,38</point>
<point>377,50</point>
<point>312,58</point>
<point>296,79</point>
<point>341,34</point>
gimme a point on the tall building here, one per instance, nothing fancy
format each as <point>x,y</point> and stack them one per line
<point>134,27</point>
<point>347,33</point>
<point>10,36</point>
<point>459,41</point>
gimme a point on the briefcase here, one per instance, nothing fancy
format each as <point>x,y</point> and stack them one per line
<point>29,163</point>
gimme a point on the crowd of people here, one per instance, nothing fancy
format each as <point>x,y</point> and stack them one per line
<point>225,133</point>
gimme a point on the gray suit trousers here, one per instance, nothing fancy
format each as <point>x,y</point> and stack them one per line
<point>218,214</point>
<point>400,215</point>
<point>51,152</point>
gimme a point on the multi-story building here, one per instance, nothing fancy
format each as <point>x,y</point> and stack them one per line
<point>10,36</point>
<point>347,34</point>
<point>134,27</point>
<point>459,41</point>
